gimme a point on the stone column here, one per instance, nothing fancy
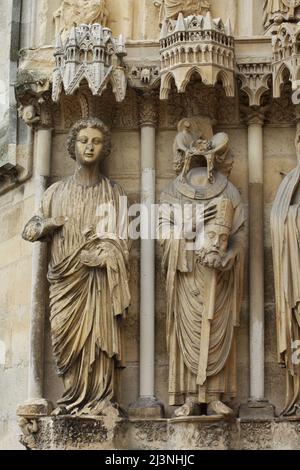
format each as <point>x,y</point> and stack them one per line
<point>43,139</point>
<point>256,257</point>
<point>147,406</point>
<point>257,405</point>
<point>36,404</point>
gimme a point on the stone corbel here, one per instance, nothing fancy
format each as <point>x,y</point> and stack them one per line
<point>255,80</point>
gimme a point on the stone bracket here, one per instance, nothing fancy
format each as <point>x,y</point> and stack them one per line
<point>255,78</point>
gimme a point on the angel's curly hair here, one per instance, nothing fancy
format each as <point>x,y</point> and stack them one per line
<point>92,123</point>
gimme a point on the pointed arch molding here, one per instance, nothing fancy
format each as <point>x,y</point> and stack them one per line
<point>181,76</point>
<point>286,56</point>
<point>196,45</point>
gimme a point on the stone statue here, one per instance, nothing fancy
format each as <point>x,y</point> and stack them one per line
<point>277,11</point>
<point>170,9</point>
<point>204,284</point>
<point>75,12</point>
<point>88,273</point>
<point>285,225</point>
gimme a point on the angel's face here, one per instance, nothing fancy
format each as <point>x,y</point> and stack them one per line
<point>89,146</point>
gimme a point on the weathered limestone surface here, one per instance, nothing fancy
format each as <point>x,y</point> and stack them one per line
<point>138,21</point>
<point>67,433</point>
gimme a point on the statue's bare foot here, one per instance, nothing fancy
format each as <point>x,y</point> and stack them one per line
<point>218,408</point>
<point>185,410</point>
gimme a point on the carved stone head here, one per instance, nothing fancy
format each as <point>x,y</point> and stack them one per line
<point>89,141</point>
<point>217,230</point>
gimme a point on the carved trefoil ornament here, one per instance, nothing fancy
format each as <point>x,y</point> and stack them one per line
<point>90,53</point>
<point>144,76</point>
<point>255,78</point>
<point>286,56</point>
<point>198,44</point>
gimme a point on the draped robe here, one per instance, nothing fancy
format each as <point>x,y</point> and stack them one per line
<point>87,303</point>
<point>172,8</point>
<point>273,8</point>
<point>187,295</point>
<point>285,229</point>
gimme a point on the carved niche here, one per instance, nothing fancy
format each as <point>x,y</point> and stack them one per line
<point>199,99</point>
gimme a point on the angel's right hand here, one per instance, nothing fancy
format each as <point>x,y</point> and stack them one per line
<point>53,224</point>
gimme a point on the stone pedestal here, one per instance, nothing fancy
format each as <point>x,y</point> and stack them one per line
<point>195,433</point>
<point>257,410</point>
<point>146,408</point>
<point>34,409</point>
<point>28,414</point>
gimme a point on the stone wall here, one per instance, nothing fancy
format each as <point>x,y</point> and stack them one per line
<point>137,20</point>
<point>5,25</point>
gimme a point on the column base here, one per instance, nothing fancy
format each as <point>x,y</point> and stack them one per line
<point>257,410</point>
<point>146,408</point>
<point>35,409</point>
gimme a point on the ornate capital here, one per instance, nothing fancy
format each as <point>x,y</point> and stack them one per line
<point>35,103</point>
<point>254,115</point>
<point>148,107</point>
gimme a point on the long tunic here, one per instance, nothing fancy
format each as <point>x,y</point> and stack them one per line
<point>87,303</point>
<point>285,229</point>
<point>272,8</point>
<point>187,296</point>
<point>172,8</point>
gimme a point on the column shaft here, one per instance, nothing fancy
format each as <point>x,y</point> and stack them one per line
<point>39,272</point>
<point>256,260</point>
<point>147,285</point>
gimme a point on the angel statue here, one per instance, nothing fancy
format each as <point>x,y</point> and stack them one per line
<point>88,274</point>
